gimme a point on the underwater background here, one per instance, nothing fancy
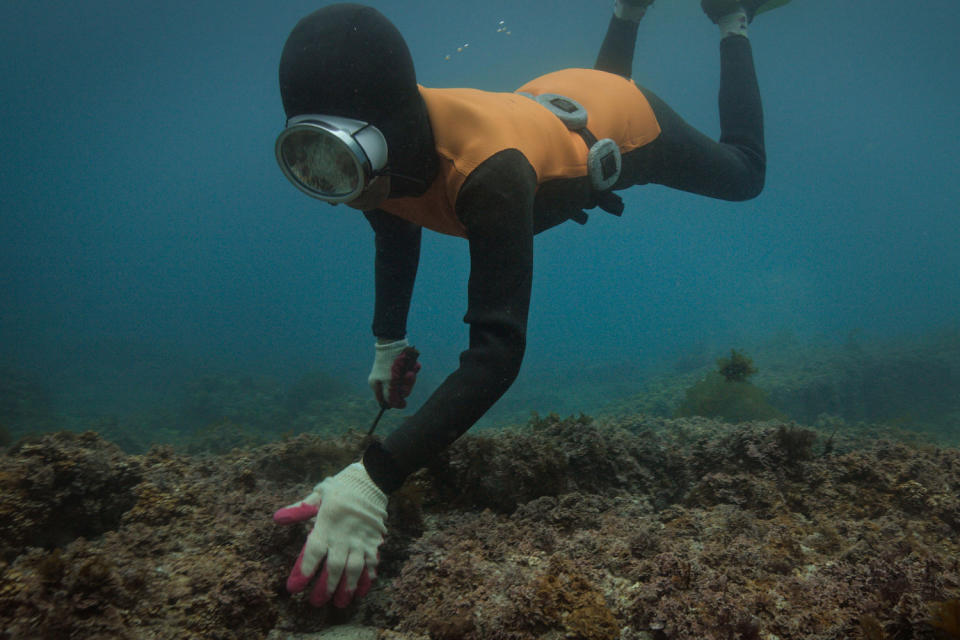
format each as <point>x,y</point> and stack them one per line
<point>148,237</point>
<point>161,283</point>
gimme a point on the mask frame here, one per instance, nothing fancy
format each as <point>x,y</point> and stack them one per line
<point>354,151</point>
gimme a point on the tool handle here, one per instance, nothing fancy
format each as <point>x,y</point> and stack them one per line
<point>404,363</point>
<point>376,421</point>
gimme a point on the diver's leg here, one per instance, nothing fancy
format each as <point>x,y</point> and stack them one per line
<point>683,158</point>
<point>616,52</point>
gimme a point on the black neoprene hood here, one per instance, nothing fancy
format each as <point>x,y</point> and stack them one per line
<point>349,60</point>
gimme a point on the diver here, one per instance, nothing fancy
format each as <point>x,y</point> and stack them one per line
<point>495,169</point>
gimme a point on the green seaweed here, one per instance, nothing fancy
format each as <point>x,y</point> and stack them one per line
<point>728,394</point>
<point>737,368</point>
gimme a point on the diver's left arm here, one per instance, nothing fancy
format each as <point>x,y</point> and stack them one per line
<point>395,270</point>
<point>495,205</point>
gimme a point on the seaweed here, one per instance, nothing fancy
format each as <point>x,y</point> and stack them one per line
<point>713,397</point>
<point>871,629</point>
<point>563,597</point>
<point>737,368</point>
<point>945,618</point>
<point>728,394</point>
<point>51,567</point>
<point>796,442</point>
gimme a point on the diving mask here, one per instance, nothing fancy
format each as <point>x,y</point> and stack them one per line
<point>331,158</point>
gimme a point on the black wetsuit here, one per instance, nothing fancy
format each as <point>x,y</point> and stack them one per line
<point>502,209</point>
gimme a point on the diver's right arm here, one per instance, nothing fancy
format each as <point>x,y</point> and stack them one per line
<point>395,270</point>
<point>496,205</point>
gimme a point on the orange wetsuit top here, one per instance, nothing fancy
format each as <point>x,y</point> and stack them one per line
<point>470,126</point>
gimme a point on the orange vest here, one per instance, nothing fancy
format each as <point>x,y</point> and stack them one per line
<point>470,126</point>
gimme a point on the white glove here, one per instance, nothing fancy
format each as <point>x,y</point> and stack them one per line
<point>351,511</point>
<point>379,378</point>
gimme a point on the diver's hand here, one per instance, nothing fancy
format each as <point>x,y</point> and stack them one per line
<point>350,510</point>
<point>390,385</point>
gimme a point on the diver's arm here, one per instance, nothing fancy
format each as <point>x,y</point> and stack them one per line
<point>496,206</point>
<point>395,270</point>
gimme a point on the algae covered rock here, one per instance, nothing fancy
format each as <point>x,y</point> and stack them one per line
<point>60,486</point>
<point>561,528</point>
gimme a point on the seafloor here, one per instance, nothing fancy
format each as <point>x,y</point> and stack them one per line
<point>631,527</point>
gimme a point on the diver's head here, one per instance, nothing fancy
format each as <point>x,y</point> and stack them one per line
<point>346,63</point>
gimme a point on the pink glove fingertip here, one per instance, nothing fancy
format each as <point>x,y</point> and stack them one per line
<point>363,584</point>
<point>342,596</point>
<point>320,595</point>
<point>297,581</point>
<point>299,513</point>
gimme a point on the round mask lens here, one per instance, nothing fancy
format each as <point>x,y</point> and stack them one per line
<point>320,162</point>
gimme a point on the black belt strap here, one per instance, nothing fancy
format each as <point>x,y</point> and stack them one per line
<point>606,200</point>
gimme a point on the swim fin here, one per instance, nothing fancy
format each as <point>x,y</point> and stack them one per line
<point>770,4</point>
<point>716,9</point>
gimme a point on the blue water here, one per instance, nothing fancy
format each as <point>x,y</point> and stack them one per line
<point>146,233</point>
